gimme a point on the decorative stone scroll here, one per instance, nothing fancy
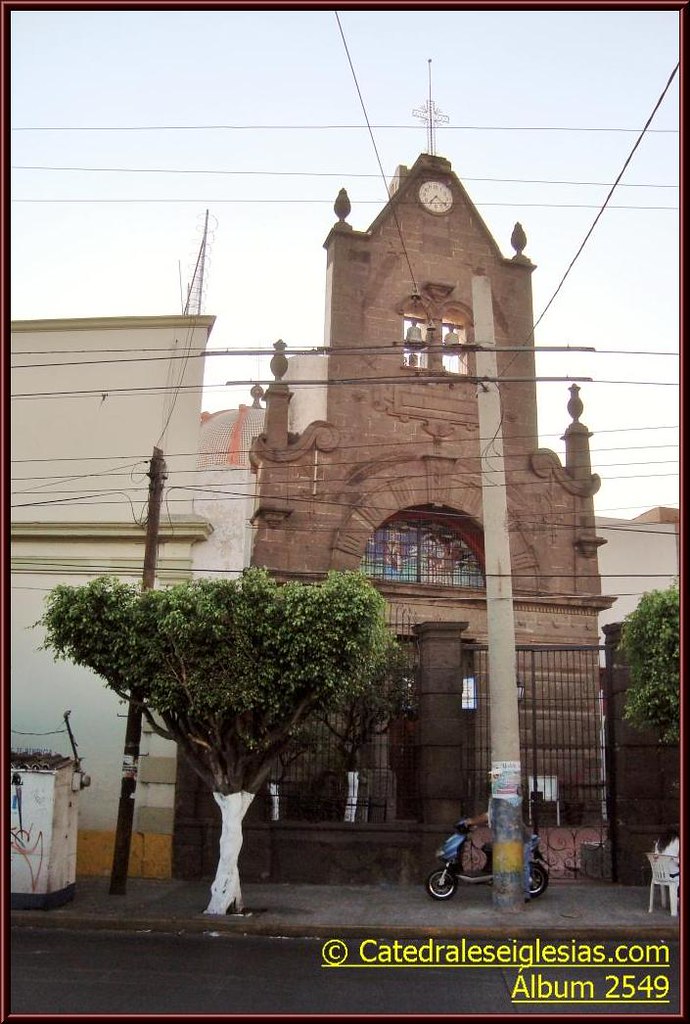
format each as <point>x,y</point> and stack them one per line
<point>546,464</point>
<point>320,435</point>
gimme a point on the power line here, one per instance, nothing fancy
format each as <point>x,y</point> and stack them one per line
<point>283,202</point>
<point>47,589</point>
<point>220,491</point>
<point>58,568</point>
<point>311,174</point>
<point>214,494</point>
<point>132,392</point>
<point>600,212</point>
<point>318,351</point>
<point>565,522</point>
<point>517,523</point>
<point>111,474</point>
<point>327,127</point>
<point>385,444</point>
<point>392,447</point>
<point>605,203</point>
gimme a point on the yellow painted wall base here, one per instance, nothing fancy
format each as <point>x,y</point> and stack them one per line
<point>150,854</point>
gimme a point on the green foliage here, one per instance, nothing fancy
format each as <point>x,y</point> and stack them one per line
<point>383,693</point>
<point>230,667</point>
<point>650,639</point>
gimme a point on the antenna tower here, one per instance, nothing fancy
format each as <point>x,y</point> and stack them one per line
<point>195,290</point>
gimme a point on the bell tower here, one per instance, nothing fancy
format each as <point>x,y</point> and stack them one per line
<point>395,443</point>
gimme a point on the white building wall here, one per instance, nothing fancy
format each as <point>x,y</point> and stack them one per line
<point>309,402</point>
<point>639,556</point>
<point>90,399</point>
<point>225,498</point>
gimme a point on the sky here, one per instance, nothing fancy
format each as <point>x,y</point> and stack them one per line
<point>128,125</point>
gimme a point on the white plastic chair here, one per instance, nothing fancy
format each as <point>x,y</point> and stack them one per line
<point>662,867</point>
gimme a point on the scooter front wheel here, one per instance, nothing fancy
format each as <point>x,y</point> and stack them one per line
<point>538,879</point>
<point>441,884</point>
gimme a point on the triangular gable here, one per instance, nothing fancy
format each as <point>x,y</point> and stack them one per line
<point>423,167</point>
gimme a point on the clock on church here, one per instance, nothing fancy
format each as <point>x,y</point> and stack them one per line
<point>435,196</point>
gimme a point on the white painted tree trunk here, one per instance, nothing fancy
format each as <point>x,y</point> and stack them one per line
<point>274,790</point>
<point>225,891</point>
<point>352,790</point>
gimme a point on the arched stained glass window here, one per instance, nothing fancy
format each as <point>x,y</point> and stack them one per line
<point>422,548</point>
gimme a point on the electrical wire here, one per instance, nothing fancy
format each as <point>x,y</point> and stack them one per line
<point>565,521</point>
<point>107,568</point>
<point>236,494</point>
<point>617,594</point>
<point>355,445</point>
<point>508,457</point>
<point>16,732</point>
<point>606,201</point>
<point>285,202</point>
<point>313,174</point>
<point>362,350</point>
<point>378,158</point>
<point>327,127</point>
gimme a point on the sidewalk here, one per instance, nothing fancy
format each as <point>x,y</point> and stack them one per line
<point>581,910</point>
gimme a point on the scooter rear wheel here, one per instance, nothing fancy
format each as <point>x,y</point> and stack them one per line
<point>538,880</point>
<point>441,884</point>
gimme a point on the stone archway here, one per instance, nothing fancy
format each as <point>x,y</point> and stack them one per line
<point>377,492</point>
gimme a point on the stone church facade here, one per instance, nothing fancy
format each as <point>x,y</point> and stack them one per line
<point>399,440</point>
<point>370,457</point>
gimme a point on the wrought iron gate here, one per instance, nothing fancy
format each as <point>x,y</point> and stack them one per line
<point>562,747</point>
<point>561,731</point>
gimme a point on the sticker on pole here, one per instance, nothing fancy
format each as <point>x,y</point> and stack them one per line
<point>505,781</point>
<point>129,767</point>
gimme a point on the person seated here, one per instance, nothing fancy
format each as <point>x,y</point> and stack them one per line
<point>668,844</point>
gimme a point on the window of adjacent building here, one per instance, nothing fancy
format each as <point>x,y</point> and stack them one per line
<point>423,548</point>
<point>468,699</point>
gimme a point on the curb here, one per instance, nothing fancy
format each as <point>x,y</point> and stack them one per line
<point>229,927</point>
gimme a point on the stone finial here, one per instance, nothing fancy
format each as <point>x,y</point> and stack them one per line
<point>518,240</point>
<point>279,363</point>
<point>342,205</point>
<point>576,437</point>
<point>575,406</point>
<point>257,393</point>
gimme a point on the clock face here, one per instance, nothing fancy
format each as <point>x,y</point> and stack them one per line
<point>435,196</point>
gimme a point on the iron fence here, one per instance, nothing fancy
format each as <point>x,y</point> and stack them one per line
<point>562,753</point>
<point>561,722</point>
<point>324,776</point>
<point>325,782</point>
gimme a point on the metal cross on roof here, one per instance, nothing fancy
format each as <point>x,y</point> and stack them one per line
<point>430,114</point>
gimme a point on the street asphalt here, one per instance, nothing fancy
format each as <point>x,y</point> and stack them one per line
<point>581,910</point>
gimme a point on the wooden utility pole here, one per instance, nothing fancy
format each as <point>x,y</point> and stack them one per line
<point>130,760</point>
<point>506,799</point>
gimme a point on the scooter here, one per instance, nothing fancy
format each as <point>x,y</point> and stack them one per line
<point>443,882</point>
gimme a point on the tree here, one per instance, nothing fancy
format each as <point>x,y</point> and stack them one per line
<point>227,669</point>
<point>650,639</point>
<point>363,713</point>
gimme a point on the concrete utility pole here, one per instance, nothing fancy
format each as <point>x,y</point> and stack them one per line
<point>506,800</point>
<point>130,760</point>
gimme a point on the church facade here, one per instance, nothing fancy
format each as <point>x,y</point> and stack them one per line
<point>392,463</point>
<point>371,458</point>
